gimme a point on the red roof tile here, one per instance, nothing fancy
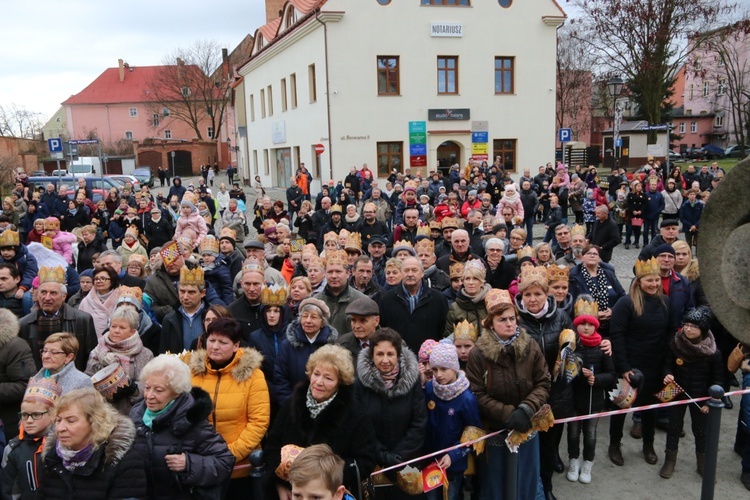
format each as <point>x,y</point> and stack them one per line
<point>269,30</point>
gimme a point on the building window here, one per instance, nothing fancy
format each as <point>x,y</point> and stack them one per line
<point>504,75</point>
<point>165,112</point>
<point>269,91</point>
<point>133,112</point>
<point>185,91</point>
<point>252,107</point>
<point>390,156</point>
<point>293,84</point>
<point>167,134</point>
<point>719,121</point>
<point>722,87</point>
<point>682,127</point>
<point>262,103</point>
<point>128,135</point>
<point>466,3</point>
<point>283,95</point>
<point>210,132</point>
<point>155,119</point>
<point>447,67</point>
<point>311,79</point>
<point>706,89</point>
<point>255,161</point>
<point>693,127</point>
<point>688,112</point>
<point>692,87</point>
<point>388,75</point>
<point>506,150</point>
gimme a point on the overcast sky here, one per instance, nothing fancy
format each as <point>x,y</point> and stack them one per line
<point>52,49</point>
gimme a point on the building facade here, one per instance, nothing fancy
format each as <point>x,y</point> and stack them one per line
<point>416,84</point>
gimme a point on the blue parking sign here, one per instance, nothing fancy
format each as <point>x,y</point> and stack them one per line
<point>55,145</point>
<point>564,135</point>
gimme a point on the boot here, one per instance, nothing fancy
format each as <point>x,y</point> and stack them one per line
<point>574,469</point>
<point>649,454</point>
<point>636,432</point>
<point>559,465</point>
<point>670,460</point>
<point>585,476</point>
<point>615,454</point>
<point>700,459</point>
<point>745,478</point>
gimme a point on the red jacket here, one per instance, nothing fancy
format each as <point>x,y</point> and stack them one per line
<point>467,207</point>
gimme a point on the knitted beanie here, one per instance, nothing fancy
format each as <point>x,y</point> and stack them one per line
<point>425,349</point>
<point>444,355</point>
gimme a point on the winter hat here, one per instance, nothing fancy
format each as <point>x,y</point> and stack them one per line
<point>473,192</point>
<point>444,355</point>
<point>88,273</point>
<point>585,318</point>
<point>700,317</point>
<point>425,350</point>
<point>664,248</point>
<point>319,304</point>
<point>186,201</point>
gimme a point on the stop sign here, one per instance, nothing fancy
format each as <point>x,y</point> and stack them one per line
<point>319,149</point>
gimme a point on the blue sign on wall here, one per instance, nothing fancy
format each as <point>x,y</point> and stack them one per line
<point>417,127</point>
<point>417,149</point>
<point>480,137</point>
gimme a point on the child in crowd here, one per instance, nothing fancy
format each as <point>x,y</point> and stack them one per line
<point>425,373</point>
<point>694,363</point>
<point>451,407</point>
<point>61,241</point>
<point>554,219</point>
<point>23,455</point>
<point>464,337</point>
<point>589,204</point>
<point>619,210</point>
<point>318,474</point>
<point>190,219</point>
<point>131,246</point>
<point>589,388</point>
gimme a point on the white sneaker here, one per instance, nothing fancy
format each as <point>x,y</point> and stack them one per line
<point>573,469</point>
<point>585,476</point>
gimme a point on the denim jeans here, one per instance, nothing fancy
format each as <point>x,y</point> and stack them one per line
<point>650,230</point>
<point>529,225</point>
<point>589,439</point>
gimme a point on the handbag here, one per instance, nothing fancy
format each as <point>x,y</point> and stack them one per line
<point>636,221</point>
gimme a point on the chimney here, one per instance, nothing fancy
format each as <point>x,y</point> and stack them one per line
<point>120,64</point>
<point>274,9</point>
<point>180,62</point>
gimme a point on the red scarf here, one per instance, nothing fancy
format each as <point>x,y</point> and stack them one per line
<point>592,340</point>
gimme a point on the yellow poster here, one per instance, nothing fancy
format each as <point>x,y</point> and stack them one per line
<point>479,148</point>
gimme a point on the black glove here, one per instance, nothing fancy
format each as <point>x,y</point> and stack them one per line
<point>386,458</point>
<point>125,392</point>
<point>518,421</point>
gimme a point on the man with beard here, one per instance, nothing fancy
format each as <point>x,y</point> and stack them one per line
<point>335,225</point>
<point>337,293</point>
<point>572,255</point>
<point>604,233</point>
<point>435,278</point>
<point>370,226</point>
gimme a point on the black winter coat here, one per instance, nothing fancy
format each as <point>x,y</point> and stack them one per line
<point>546,332</point>
<point>426,322</point>
<point>399,414</point>
<point>605,379</point>
<point>342,425</point>
<point>695,375</point>
<point>183,428</point>
<point>115,471</point>
<point>158,233</point>
<point>86,253</point>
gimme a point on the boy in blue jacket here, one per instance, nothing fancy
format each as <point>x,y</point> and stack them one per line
<point>690,216</point>
<point>451,407</point>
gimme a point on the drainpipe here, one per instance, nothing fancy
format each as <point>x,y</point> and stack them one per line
<point>328,97</point>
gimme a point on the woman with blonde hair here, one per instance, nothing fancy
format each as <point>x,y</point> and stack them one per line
<point>58,362</point>
<point>90,454</point>
<point>469,304</point>
<point>687,265</point>
<point>544,255</point>
<point>299,289</point>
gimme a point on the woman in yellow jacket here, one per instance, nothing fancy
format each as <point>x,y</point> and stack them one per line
<point>241,407</point>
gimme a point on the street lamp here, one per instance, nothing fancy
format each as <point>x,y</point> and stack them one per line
<point>614,86</point>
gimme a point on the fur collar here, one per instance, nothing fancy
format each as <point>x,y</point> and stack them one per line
<point>120,440</point>
<point>369,377</point>
<point>9,326</point>
<point>327,335</point>
<point>189,409</point>
<point>495,351</point>
<point>241,368</point>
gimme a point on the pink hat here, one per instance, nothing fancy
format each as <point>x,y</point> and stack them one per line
<point>425,349</point>
<point>444,355</point>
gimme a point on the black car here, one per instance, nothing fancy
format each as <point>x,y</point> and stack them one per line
<point>144,175</point>
<point>737,151</point>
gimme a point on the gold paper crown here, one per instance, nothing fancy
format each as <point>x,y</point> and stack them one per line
<point>475,264</point>
<point>42,390</point>
<point>465,331</point>
<point>583,307</point>
<point>252,265</point>
<point>52,224</point>
<point>457,270</point>
<point>401,245</point>
<point>296,244</point>
<point>578,230</point>
<point>190,197</point>
<point>51,275</point>
<point>9,238</point>
<point>425,245</point>
<point>424,231</point>
<point>192,277</point>
<point>557,273</point>
<point>449,222</point>
<point>317,263</point>
<point>134,292</point>
<point>534,274</point>
<point>495,298</point>
<point>330,235</point>
<point>517,220</point>
<point>138,259</point>
<point>353,242</point>
<point>209,244</point>
<point>435,225</point>
<point>526,251</point>
<point>310,248</point>
<point>337,258</point>
<point>228,233</point>
<point>336,208</point>
<point>410,185</point>
<point>132,231</point>
<point>273,295</point>
<point>646,267</point>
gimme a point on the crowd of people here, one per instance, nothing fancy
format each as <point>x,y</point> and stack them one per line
<point>149,353</point>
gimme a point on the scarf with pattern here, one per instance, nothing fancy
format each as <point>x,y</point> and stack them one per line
<point>450,391</point>
<point>314,407</point>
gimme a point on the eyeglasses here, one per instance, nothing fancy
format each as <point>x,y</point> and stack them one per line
<point>100,279</point>
<point>507,319</point>
<point>23,416</point>
<point>47,351</point>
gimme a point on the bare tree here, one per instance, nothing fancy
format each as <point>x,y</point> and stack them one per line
<point>193,84</point>
<point>574,83</point>
<point>645,41</point>
<point>18,121</point>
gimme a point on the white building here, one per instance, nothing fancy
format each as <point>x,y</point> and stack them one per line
<point>398,84</point>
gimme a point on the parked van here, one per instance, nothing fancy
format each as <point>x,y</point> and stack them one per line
<point>98,189</point>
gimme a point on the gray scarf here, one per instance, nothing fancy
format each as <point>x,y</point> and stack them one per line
<point>315,407</point>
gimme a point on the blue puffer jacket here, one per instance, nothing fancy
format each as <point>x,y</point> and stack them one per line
<point>690,215</point>
<point>221,279</point>
<point>26,265</point>
<point>267,340</point>
<point>294,352</point>
<point>654,206</point>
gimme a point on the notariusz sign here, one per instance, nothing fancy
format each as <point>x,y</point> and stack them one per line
<point>453,30</point>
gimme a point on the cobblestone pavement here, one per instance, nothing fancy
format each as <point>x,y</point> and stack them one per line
<point>636,479</point>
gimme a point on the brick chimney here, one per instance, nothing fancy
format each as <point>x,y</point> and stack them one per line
<point>121,65</point>
<point>274,8</point>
